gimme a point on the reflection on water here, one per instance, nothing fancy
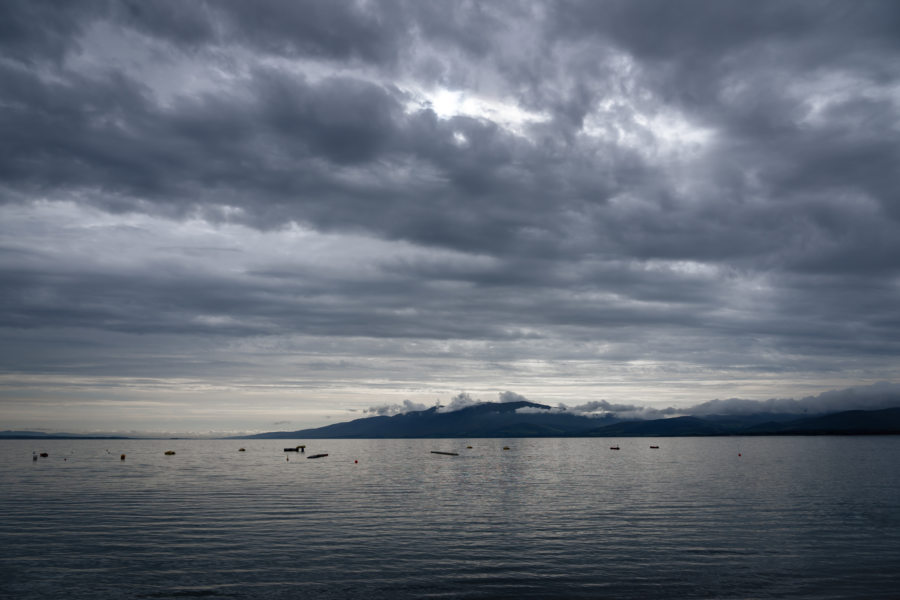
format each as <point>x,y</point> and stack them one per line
<point>726,517</point>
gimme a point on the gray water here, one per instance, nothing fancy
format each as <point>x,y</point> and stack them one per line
<point>767,517</point>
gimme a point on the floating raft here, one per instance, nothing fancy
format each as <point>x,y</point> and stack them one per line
<point>317,456</point>
<point>446,453</point>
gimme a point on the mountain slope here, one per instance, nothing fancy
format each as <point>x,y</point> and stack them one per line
<point>527,419</point>
<point>489,419</point>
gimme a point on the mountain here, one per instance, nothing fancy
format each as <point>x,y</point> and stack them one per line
<point>527,419</point>
<point>489,419</point>
<point>850,422</point>
<point>676,426</point>
<point>40,435</point>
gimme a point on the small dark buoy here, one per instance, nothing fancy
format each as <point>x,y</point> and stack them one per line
<point>739,453</point>
<point>287,459</point>
<point>122,457</point>
<point>355,462</point>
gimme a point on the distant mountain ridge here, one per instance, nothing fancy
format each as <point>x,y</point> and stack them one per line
<point>507,419</point>
<point>40,435</point>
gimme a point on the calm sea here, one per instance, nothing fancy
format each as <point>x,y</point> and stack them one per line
<point>767,517</point>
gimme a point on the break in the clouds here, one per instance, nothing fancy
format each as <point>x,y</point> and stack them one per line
<point>227,214</point>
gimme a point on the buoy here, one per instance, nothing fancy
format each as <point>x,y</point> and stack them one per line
<point>122,457</point>
<point>287,459</point>
<point>34,457</point>
<point>739,453</point>
<point>355,462</point>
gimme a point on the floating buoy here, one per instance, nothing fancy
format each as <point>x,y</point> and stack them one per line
<point>170,452</point>
<point>739,453</point>
<point>355,462</point>
<point>287,459</point>
<point>122,457</point>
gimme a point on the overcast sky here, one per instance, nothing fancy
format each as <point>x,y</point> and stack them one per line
<point>244,216</point>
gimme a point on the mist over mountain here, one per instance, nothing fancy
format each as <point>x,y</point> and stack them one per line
<point>487,419</point>
<point>521,418</point>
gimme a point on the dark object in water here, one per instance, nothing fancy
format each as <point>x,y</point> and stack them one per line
<point>506,447</point>
<point>170,453</point>
<point>316,456</point>
<point>242,449</point>
<point>613,447</point>
<point>122,457</point>
<point>654,447</point>
<point>44,455</point>
<point>447,453</point>
<point>300,448</point>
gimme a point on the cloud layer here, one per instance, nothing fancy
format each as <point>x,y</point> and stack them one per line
<point>314,206</point>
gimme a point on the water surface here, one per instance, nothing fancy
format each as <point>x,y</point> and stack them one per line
<point>730,517</point>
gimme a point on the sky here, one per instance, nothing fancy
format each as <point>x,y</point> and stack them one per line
<point>244,216</point>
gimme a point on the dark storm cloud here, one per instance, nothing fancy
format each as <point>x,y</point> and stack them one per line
<point>701,181</point>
